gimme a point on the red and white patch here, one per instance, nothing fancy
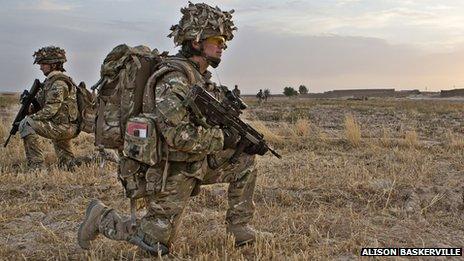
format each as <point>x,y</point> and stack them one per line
<point>137,129</point>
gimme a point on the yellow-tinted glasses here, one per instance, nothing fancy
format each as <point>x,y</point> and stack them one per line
<point>217,40</point>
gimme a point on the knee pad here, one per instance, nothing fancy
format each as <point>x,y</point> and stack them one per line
<point>25,129</point>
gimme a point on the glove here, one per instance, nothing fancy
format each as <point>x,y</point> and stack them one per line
<point>230,139</point>
<point>254,149</point>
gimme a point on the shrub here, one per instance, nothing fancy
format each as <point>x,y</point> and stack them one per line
<point>289,92</point>
<point>302,89</point>
<point>411,138</point>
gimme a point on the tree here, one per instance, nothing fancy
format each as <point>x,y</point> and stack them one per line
<point>289,92</point>
<point>302,89</point>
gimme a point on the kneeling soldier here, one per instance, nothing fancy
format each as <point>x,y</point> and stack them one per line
<point>54,115</point>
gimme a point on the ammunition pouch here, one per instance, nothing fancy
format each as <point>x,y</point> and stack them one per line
<point>142,141</point>
<point>142,152</point>
<point>138,179</point>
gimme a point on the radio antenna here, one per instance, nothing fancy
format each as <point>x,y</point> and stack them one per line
<point>217,76</point>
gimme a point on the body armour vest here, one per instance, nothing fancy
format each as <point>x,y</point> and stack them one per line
<point>194,77</point>
<point>68,111</point>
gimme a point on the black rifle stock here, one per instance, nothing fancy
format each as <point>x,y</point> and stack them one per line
<point>27,98</point>
<point>226,116</point>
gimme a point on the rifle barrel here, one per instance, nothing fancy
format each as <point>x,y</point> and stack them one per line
<point>7,141</point>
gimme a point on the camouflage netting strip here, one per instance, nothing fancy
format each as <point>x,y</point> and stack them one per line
<point>200,21</point>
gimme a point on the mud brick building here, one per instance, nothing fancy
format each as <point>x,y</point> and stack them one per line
<point>452,93</point>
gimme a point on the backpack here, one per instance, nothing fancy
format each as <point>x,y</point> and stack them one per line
<point>124,73</point>
<point>124,114</point>
<point>86,106</point>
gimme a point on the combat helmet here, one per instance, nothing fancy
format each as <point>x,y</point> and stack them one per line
<point>49,55</point>
<point>200,21</point>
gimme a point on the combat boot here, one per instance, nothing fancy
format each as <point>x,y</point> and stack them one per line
<point>245,234</point>
<point>88,230</point>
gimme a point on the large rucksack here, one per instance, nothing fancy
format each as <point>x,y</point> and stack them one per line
<point>124,73</point>
<point>125,118</point>
<point>121,90</point>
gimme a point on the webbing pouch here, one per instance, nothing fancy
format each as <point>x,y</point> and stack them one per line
<point>141,140</point>
<point>132,174</point>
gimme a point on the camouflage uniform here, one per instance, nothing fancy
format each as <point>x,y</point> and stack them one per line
<point>260,97</point>
<point>189,167</point>
<point>236,91</point>
<point>56,120</point>
<point>195,157</point>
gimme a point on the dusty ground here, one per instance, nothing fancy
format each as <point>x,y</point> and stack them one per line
<point>354,174</point>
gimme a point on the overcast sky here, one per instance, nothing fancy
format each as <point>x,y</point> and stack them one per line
<point>325,45</point>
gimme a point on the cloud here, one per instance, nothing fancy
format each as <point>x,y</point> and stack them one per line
<point>47,5</point>
<point>403,22</point>
<point>333,49</point>
<point>266,60</point>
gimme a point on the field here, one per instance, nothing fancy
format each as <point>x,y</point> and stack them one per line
<point>375,173</point>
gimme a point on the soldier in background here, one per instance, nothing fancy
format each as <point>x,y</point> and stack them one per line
<point>196,154</point>
<point>260,96</point>
<point>267,94</point>
<point>236,91</point>
<point>54,114</point>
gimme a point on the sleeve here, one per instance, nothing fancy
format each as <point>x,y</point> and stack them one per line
<point>176,125</point>
<point>53,100</point>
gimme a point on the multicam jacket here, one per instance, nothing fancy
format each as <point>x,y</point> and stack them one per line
<point>57,100</point>
<point>187,140</point>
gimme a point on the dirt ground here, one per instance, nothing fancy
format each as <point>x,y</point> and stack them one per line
<point>354,174</point>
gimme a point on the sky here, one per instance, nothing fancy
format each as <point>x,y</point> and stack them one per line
<point>324,45</point>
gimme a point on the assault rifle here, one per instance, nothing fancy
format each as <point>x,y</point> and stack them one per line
<point>225,114</point>
<point>27,98</point>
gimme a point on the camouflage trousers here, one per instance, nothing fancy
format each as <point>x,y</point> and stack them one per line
<point>59,134</point>
<point>164,208</point>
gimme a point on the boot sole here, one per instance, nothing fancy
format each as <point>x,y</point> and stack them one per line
<point>87,214</point>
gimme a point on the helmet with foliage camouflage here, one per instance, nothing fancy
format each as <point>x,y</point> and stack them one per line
<point>49,55</point>
<point>200,21</point>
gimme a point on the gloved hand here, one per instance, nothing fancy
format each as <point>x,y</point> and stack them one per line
<point>230,139</point>
<point>254,149</point>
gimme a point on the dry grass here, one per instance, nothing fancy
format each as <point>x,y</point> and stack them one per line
<point>7,100</point>
<point>352,131</point>
<point>411,139</point>
<point>326,199</point>
<point>454,140</point>
<point>302,128</point>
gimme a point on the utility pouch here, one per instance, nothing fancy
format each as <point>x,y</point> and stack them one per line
<point>142,141</point>
<point>138,179</point>
<point>132,176</point>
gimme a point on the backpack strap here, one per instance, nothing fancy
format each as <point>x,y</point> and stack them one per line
<point>182,65</point>
<point>172,64</point>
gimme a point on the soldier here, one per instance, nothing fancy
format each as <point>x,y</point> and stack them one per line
<point>260,96</point>
<point>196,155</point>
<point>267,94</point>
<point>236,91</point>
<point>55,113</point>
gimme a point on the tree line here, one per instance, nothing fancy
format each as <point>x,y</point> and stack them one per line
<point>290,91</point>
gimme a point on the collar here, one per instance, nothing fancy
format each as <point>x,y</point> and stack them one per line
<point>206,74</point>
<point>52,73</point>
